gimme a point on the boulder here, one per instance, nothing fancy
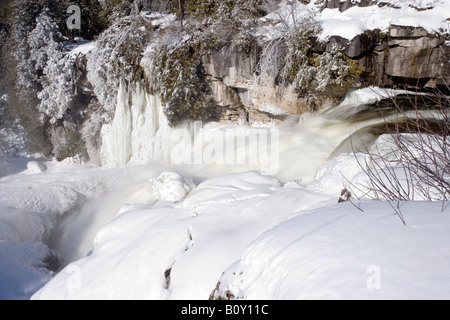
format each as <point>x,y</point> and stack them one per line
<point>396,31</point>
<point>36,167</point>
<point>359,46</point>
<point>344,5</point>
<point>416,54</point>
<point>236,85</point>
<point>413,62</point>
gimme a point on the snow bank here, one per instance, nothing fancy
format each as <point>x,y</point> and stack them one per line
<point>21,226</point>
<point>201,236</point>
<point>23,269</point>
<point>123,266</point>
<point>338,252</point>
<point>430,15</point>
<point>261,240</point>
<point>337,173</point>
<point>36,167</point>
<point>231,188</point>
<point>393,169</point>
<point>356,20</point>
<point>24,257</point>
<point>32,206</point>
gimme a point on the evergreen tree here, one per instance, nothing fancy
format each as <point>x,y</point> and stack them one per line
<point>96,18</point>
<point>23,71</point>
<point>57,68</point>
<point>177,74</point>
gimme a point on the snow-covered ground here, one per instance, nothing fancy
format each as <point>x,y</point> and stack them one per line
<point>431,15</point>
<point>35,196</point>
<point>356,20</point>
<point>338,252</point>
<point>159,232</point>
<point>263,240</point>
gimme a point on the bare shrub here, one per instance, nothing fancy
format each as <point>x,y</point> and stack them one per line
<point>412,160</point>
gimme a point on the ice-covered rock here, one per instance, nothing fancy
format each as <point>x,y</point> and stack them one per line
<point>170,187</point>
<point>20,225</point>
<point>36,167</point>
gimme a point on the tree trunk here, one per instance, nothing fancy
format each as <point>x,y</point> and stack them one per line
<point>181,13</point>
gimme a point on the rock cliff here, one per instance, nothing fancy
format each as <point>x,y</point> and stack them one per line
<point>404,57</point>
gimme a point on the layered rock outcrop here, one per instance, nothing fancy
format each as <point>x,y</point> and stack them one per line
<point>404,57</point>
<point>245,96</point>
<point>242,95</point>
<point>417,57</point>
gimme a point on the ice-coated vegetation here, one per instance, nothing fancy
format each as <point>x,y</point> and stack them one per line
<point>151,42</point>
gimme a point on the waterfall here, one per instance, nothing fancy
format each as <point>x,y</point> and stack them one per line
<point>139,130</point>
<point>140,134</point>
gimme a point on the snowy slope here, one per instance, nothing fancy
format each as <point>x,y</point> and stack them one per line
<point>338,252</point>
<point>356,20</point>
<point>264,240</point>
<point>196,239</point>
<point>35,196</point>
<point>430,15</point>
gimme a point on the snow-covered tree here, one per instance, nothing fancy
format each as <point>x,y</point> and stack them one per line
<point>59,86</point>
<point>334,68</point>
<point>176,73</point>
<point>290,57</point>
<point>43,41</point>
<point>287,56</point>
<point>54,68</point>
<point>23,79</point>
<point>116,57</point>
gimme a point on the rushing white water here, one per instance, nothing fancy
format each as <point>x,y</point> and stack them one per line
<point>140,134</point>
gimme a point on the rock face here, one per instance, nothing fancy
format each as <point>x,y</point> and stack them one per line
<point>416,56</point>
<point>241,94</point>
<point>343,5</point>
<point>405,57</point>
<point>244,96</point>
